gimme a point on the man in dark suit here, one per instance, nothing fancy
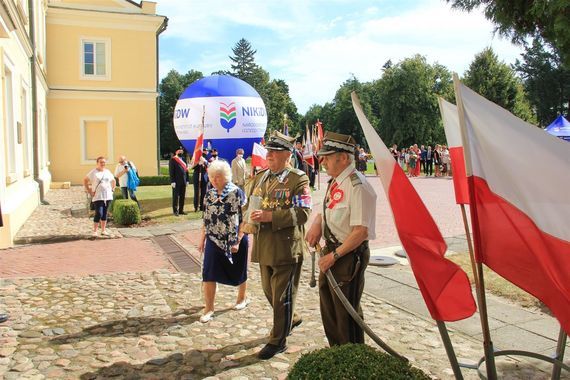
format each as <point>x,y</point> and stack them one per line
<point>178,171</point>
<point>200,180</point>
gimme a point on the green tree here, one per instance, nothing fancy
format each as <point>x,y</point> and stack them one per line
<point>405,102</point>
<point>343,118</point>
<point>497,82</point>
<point>171,87</point>
<point>546,81</point>
<point>243,61</point>
<point>518,20</point>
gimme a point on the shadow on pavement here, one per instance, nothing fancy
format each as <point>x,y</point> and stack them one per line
<point>194,364</point>
<point>138,326</point>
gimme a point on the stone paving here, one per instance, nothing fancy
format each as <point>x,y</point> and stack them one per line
<point>143,323</point>
<point>145,326</point>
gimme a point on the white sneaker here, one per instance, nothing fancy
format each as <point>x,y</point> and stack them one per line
<point>242,305</point>
<point>106,233</point>
<point>94,234</point>
<point>207,317</point>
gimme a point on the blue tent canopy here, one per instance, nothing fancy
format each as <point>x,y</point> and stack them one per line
<point>560,128</point>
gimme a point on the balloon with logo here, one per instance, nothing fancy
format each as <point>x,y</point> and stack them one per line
<point>234,115</point>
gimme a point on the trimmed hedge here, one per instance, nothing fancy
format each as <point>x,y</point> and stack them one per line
<point>126,212</point>
<point>353,361</point>
<point>154,180</point>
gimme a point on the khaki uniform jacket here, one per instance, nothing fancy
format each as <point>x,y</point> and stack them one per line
<point>288,195</point>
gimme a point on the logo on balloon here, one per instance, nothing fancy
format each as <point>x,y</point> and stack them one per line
<point>228,116</point>
<point>227,111</point>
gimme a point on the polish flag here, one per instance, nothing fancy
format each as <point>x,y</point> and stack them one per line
<point>444,285</point>
<point>259,156</point>
<point>308,151</point>
<point>198,149</point>
<point>520,211</point>
<point>455,145</point>
<point>320,134</point>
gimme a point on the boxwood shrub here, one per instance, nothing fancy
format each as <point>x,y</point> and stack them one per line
<point>126,212</point>
<point>353,361</point>
<point>154,180</point>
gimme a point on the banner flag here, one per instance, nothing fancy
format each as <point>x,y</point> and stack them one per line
<point>444,285</point>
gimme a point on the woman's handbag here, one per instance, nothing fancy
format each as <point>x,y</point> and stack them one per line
<point>92,204</point>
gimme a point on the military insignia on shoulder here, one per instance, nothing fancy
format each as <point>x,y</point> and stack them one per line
<point>299,172</point>
<point>355,179</point>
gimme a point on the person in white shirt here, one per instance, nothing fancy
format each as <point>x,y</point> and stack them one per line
<point>121,172</point>
<point>239,169</point>
<point>100,184</point>
<point>347,223</point>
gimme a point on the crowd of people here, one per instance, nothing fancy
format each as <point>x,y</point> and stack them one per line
<point>434,161</point>
<point>273,205</point>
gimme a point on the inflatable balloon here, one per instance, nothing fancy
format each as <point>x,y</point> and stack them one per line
<point>234,115</point>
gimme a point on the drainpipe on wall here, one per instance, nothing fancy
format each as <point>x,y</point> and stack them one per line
<point>35,123</point>
<point>161,29</point>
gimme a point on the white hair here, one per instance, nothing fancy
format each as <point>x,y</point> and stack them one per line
<point>350,158</point>
<point>220,166</point>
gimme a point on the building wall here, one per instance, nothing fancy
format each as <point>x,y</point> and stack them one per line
<point>109,114</point>
<point>19,191</point>
<point>128,127</point>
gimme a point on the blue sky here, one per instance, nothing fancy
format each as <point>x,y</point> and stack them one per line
<point>315,45</point>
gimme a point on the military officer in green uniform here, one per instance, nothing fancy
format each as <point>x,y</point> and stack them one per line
<point>347,222</point>
<point>284,200</point>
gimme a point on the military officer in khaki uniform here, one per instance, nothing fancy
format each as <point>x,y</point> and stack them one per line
<point>347,222</point>
<point>285,204</point>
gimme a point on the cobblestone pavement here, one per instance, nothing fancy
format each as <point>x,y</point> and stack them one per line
<point>145,326</point>
<point>121,313</point>
<point>54,222</point>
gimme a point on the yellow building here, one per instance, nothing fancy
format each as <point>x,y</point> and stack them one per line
<point>89,71</point>
<point>24,173</point>
<point>102,58</point>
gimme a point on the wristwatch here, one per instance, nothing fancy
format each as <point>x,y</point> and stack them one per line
<point>336,256</point>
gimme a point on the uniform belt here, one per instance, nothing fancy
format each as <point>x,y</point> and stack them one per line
<point>332,246</point>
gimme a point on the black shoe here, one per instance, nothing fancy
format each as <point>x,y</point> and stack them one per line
<point>3,318</point>
<point>182,213</point>
<point>296,323</point>
<point>175,213</point>
<point>270,350</point>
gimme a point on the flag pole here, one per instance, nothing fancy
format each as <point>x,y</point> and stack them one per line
<point>559,356</point>
<point>449,350</point>
<point>482,301</point>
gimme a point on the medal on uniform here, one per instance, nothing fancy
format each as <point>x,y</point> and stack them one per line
<point>337,195</point>
<point>265,203</point>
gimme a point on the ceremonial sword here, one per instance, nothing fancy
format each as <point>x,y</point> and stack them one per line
<point>349,308</point>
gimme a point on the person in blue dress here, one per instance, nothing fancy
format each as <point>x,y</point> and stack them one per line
<point>222,241</point>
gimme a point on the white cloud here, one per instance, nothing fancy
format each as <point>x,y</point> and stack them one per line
<point>317,68</point>
<point>315,49</point>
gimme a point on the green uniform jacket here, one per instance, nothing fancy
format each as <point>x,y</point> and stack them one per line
<point>281,241</point>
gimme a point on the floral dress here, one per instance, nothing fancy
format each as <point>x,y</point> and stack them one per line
<point>222,217</point>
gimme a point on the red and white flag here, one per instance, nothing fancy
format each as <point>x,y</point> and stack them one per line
<point>519,180</point>
<point>308,149</point>
<point>453,135</point>
<point>444,285</point>
<point>259,156</point>
<point>199,142</point>
<point>320,134</point>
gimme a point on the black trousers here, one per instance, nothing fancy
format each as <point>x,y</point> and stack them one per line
<point>429,167</point>
<point>178,194</point>
<point>200,188</point>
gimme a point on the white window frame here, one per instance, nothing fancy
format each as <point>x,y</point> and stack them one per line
<point>94,40</point>
<point>83,151</point>
<point>25,104</point>
<point>9,120</point>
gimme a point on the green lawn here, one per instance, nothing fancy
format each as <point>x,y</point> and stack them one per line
<point>156,204</point>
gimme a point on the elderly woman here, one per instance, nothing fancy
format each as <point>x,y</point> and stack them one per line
<point>222,241</point>
<point>100,184</point>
